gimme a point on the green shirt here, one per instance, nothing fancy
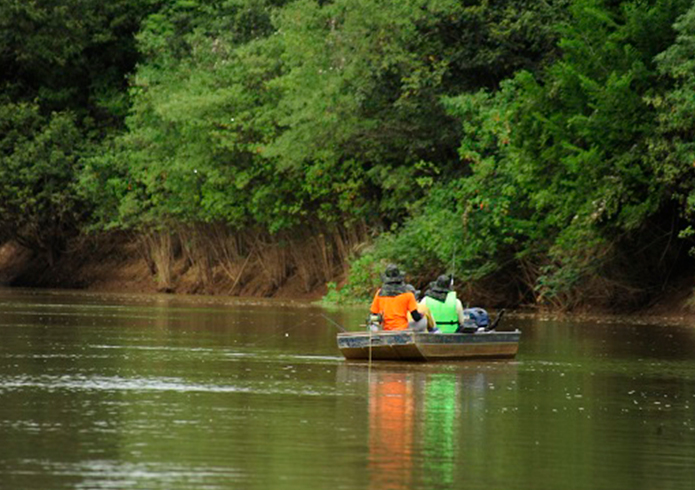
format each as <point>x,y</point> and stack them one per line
<point>444,313</point>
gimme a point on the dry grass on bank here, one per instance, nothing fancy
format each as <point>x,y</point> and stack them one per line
<point>195,260</point>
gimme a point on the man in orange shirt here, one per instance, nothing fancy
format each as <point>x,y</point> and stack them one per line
<point>393,302</point>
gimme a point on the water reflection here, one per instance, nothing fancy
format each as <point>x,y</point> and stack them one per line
<point>419,414</point>
<point>391,429</point>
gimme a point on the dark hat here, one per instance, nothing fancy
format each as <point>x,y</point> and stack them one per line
<point>442,283</point>
<point>411,288</point>
<point>392,274</point>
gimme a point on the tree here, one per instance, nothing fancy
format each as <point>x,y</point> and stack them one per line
<point>62,89</point>
<point>562,186</point>
<point>38,206</point>
<point>673,147</point>
<point>71,55</point>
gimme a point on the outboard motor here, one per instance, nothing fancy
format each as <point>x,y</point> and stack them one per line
<point>475,319</point>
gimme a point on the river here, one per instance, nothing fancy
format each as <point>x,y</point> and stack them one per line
<point>165,392</point>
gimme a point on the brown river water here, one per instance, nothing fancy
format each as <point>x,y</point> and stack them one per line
<point>166,392</point>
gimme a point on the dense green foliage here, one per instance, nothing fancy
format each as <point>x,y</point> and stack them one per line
<point>541,151</point>
<point>37,195</point>
<point>573,167</point>
<point>62,90</point>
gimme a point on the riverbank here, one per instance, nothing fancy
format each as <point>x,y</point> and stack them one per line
<point>119,263</point>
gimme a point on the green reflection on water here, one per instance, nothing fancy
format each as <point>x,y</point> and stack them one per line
<point>441,396</point>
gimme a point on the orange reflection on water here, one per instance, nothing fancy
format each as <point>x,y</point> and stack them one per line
<point>391,428</point>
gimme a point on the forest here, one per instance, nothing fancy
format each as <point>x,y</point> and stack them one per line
<point>542,152</point>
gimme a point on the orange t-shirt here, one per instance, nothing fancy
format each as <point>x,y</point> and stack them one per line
<point>394,309</point>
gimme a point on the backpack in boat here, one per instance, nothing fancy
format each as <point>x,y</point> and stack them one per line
<point>474,319</point>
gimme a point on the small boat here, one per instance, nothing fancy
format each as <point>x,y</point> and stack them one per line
<point>405,345</point>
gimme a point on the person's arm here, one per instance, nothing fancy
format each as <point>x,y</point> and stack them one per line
<point>375,318</point>
<point>425,311</point>
<point>412,308</point>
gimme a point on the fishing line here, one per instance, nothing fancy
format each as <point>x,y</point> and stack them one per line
<point>276,334</point>
<point>335,324</point>
<point>369,365</point>
<point>286,332</point>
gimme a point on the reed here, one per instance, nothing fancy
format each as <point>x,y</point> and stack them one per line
<point>196,252</point>
<point>157,247</point>
<point>215,258</point>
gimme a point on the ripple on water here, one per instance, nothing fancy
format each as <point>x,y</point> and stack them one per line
<point>118,474</point>
<point>143,384</point>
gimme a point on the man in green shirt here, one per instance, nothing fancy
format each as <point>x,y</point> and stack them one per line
<point>445,307</point>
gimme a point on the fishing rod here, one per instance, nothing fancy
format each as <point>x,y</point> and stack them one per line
<point>451,270</point>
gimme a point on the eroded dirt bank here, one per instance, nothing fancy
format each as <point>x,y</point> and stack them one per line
<point>299,270</point>
<point>120,263</point>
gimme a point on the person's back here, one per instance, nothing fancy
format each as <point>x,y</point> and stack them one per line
<point>394,309</point>
<point>393,301</point>
<point>445,307</point>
